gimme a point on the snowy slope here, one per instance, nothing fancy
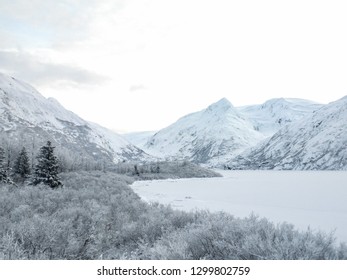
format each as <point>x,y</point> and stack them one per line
<point>272,115</point>
<point>27,116</point>
<point>210,136</point>
<point>139,139</point>
<point>29,106</point>
<point>316,142</point>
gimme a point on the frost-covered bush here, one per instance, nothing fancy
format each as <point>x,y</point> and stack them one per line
<point>164,170</point>
<point>221,236</point>
<point>96,215</point>
<point>64,223</point>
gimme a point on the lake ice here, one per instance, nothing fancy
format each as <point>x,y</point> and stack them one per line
<point>304,198</point>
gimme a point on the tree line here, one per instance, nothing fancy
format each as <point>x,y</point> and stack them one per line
<point>45,171</point>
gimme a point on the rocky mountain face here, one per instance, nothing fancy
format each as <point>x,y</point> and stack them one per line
<point>317,141</point>
<point>29,119</point>
<point>211,136</point>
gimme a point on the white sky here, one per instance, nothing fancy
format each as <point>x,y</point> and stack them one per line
<point>133,65</point>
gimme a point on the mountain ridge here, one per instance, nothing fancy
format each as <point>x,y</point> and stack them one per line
<point>316,142</point>
<point>27,116</point>
<point>204,135</point>
<point>220,132</point>
<point>273,114</point>
<point>281,133</point>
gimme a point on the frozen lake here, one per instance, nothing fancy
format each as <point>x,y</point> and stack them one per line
<point>304,198</point>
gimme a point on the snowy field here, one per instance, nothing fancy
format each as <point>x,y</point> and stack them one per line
<point>304,198</point>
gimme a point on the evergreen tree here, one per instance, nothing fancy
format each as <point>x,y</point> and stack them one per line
<point>21,169</point>
<point>47,168</point>
<point>3,173</point>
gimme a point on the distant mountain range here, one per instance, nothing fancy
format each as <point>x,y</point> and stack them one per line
<point>283,133</point>
<point>29,119</point>
<point>264,136</point>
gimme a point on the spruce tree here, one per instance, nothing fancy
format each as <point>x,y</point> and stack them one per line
<point>3,173</point>
<point>21,168</point>
<point>47,168</point>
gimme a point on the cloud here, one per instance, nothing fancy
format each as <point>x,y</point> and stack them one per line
<point>27,67</point>
<point>137,87</point>
<point>8,40</point>
<point>55,21</point>
<point>51,13</point>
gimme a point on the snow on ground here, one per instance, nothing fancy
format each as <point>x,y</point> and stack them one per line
<point>304,198</point>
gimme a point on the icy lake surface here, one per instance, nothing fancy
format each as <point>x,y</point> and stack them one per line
<point>304,198</point>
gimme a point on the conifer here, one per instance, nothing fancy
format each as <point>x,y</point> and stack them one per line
<point>21,168</point>
<point>47,168</point>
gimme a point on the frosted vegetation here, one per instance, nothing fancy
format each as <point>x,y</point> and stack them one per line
<point>96,215</point>
<point>164,170</point>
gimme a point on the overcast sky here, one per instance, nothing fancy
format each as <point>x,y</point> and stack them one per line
<point>134,65</point>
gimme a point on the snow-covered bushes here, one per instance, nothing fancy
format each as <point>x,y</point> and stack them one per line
<point>96,215</point>
<point>221,236</point>
<point>165,170</point>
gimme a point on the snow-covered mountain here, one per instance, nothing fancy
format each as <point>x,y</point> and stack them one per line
<point>279,134</point>
<point>28,118</point>
<point>211,136</point>
<point>272,115</point>
<point>316,142</point>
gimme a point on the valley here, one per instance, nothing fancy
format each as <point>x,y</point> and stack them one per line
<point>257,213</point>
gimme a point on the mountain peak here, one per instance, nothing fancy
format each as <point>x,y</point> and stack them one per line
<point>28,118</point>
<point>221,105</point>
<point>11,85</point>
<point>223,102</point>
<point>208,136</point>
